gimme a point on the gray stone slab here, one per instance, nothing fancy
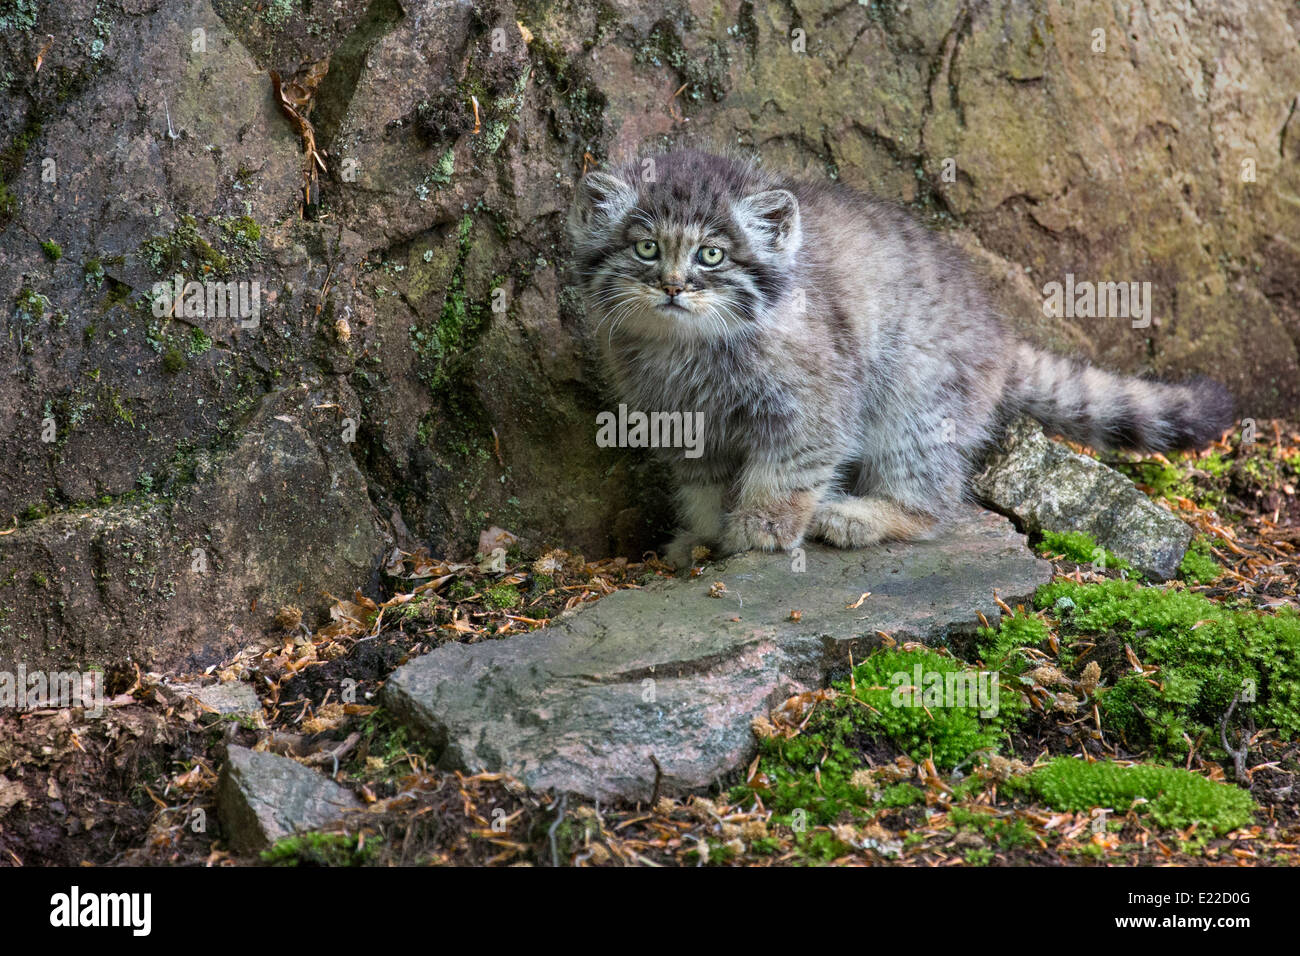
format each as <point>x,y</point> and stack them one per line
<point>674,673</point>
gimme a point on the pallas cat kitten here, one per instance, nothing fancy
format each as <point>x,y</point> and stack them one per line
<point>847,363</point>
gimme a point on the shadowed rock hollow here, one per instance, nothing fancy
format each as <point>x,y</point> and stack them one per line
<point>175,480</point>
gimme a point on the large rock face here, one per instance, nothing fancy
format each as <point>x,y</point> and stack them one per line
<point>416,339</point>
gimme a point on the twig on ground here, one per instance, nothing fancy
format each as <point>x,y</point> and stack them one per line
<point>1238,755</point>
<point>659,777</point>
<point>550,834</point>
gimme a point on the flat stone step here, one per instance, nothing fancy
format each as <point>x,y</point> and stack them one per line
<point>672,672</point>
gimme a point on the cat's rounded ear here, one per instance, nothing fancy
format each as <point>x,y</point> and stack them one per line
<point>601,198</point>
<point>772,218</point>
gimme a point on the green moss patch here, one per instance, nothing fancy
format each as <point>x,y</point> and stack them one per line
<point>1170,796</point>
<point>200,342</point>
<point>1003,645</point>
<point>933,706</point>
<point>1231,480</point>
<point>386,751</point>
<point>1196,656</point>
<point>923,703</point>
<point>1170,479</point>
<point>30,305</point>
<point>459,319</point>
<point>241,231</point>
<point>502,596</point>
<point>173,361</point>
<point>184,250</point>
<point>1081,547</point>
<point>322,849</point>
<point>1198,565</point>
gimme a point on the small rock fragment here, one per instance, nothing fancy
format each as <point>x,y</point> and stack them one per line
<point>263,797</point>
<point>228,698</point>
<point>1046,486</point>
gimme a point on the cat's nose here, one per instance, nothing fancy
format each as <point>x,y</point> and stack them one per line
<point>673,290</point>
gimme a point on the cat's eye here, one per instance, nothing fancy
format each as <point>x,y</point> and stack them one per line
<point>709,255</point>
<point>647,249</point>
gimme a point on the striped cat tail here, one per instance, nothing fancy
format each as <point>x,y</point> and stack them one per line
<point>1104,410</point>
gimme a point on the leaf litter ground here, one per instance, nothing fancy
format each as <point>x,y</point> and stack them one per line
<point>1086,765</point>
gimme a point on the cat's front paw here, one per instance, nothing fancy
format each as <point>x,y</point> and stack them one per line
<point>768,529</point>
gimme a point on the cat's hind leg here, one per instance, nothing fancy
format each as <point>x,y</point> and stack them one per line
<point>849,522</point>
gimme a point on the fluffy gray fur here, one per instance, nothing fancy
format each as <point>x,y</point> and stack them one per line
<point>848,364</point>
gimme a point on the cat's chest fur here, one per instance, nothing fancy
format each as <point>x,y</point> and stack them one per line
<point>747,399</point>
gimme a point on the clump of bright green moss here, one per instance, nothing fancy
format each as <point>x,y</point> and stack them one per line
<point>943,711</point>
<point>502,596</point>
<point>1198,565</point>
<point>322,849</point>
<point>1171,796</point>
<point>1081,547</point>
<point>1002,644</point>
<point>1205,654</point>
<point>952,710</point>
<point>53,251</point>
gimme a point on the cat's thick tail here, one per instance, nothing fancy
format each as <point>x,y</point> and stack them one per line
<point>1098,408</point>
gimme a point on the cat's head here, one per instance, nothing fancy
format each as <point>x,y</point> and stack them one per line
<point>683,245</point>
